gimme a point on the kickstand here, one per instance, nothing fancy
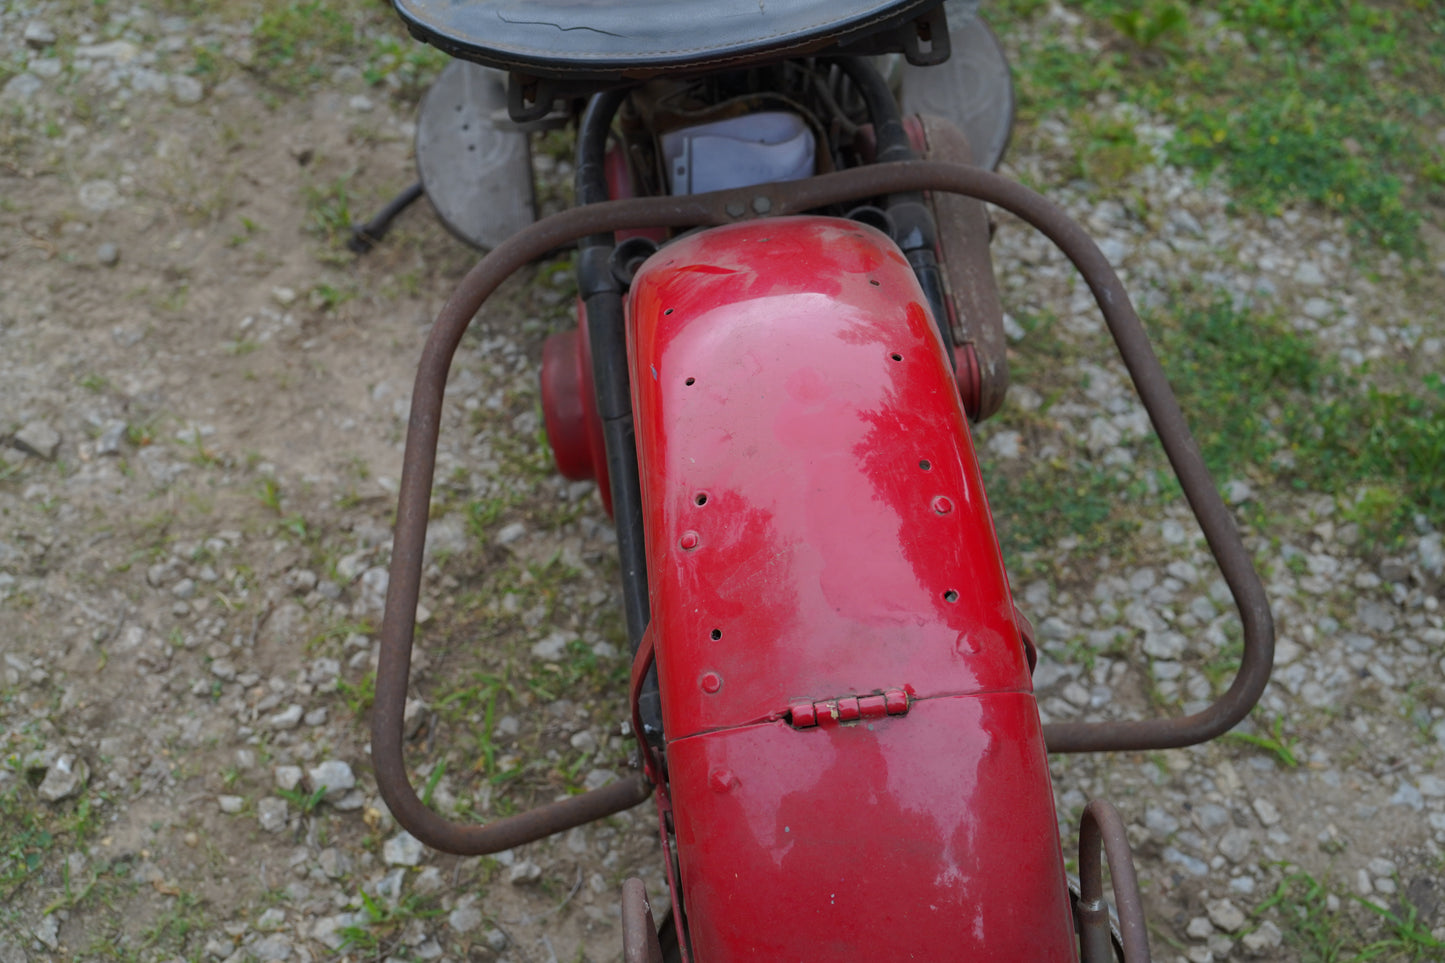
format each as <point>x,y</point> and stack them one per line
<point>366,236</point>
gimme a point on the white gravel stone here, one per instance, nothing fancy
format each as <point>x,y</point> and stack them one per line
<point>230,804</point>
<point>39,35</point>
<point>1379,866</point>
<point>466,917</point>
<point>1165,645</point>
<point>1199,928</point>
<point>335,863</point>
<point>1432,554</point>
<point>270,949</point>
<point>597,778</point>
<point>1409,796</point>
<point>287,718</point>
<point>1266,812</point>
<point>47,932</point>
<point>1309,273</point>
<point>328,930</point>
<point>39,439</point>
<point>429,880</point>
<point>349,802</point>
<point>1190,864</point>
<point>1225,915</point>
<point>1160,823</point>
<point>22,87</point>
<point>524,872</point>
<point>336,775</point>
<point>1237,492</point>
<point>186,90</point>
<point>288,777</point>
<point>414,716</point>
<point>112,436</point>
<point>1006,444</point>
<point>301,580</point>
<point>272,813</point>
<point>121,51</point>
<point>403,849</point>
<point>1264,939</point>
<point>66,777</point>
<point>1235,844</point>
<point>552,648</point>
<point>99,196</point>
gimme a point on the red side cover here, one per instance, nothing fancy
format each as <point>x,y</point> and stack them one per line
<point>817,529</point>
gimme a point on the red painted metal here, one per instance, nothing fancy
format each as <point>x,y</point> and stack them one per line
<point>818,539</point>
<point>798,432</point>
<point>620,186</point>
<point>569,408</point>
<point>929,836</point>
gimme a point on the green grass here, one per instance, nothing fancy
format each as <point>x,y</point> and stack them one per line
<point>295,41</point>
<point>1356,90</point>
<point>24,845</point>
<point>32,834</point>
<point>1222,364</point>
<point>304,801</point>
<point>384,923</point>
<point>1266,401</point>
<point>1275,742</point>
<point>1321,927</point>
<point>301,42</point>
<point>358,695</point>
<point>329,210</point>
<point>1059,498</point>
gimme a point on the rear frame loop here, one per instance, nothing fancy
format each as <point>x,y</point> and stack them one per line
<point>419,465</point>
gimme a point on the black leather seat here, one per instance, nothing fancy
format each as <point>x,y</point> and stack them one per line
<point>615,39</point>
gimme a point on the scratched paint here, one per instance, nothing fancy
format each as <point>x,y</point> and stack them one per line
<point>801,384</point>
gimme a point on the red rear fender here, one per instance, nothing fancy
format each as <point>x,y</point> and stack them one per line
<point>816,523</point>
<point>818,543</point>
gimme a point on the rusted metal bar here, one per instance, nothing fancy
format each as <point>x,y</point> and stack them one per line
<point>366,236</point>
<point>1101,825</point>
<point>963,256</point>
<point>419,464</point>
<point>639,933</point>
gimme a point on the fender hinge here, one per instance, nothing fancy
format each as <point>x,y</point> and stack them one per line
<point>830,712</point>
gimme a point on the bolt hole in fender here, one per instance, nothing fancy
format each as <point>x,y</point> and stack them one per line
<point>713,209</point>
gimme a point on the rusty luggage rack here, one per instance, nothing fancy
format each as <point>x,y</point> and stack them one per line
<point>724,207</point>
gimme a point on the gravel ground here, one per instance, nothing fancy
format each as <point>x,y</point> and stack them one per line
<point>202,404</point>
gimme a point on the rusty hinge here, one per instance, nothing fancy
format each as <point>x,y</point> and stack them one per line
<point>889,702</point>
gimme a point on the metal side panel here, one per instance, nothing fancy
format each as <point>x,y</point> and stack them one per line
<point>816,523</point>
<point>475,164</point>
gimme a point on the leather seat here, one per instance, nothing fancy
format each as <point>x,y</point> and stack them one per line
<point>614,39</point>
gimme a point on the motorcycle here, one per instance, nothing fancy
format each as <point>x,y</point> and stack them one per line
<point>788,320</point>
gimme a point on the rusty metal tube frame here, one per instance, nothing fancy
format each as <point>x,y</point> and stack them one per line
<point>640,943</point>
<point>418,467</point>
<point>1102,827</point>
